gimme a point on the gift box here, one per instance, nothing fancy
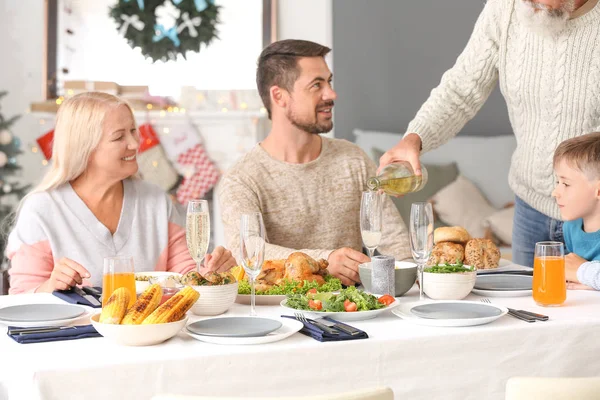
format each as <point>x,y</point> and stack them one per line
<point>48,106</point>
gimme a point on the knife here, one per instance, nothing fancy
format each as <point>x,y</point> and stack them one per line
<point>92,290</point>
<point>539,317</point>
<point>39,329</point>
<point>323,327</point>
<point>521,316</point>
<point>517,272</point>
<point>93,301</point>
<point>344,328</point>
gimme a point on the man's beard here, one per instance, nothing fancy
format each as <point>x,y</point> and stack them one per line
<point>312,127</point>
<point>543,20</point>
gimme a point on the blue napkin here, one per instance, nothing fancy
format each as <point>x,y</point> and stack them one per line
<point>322,336</point>
<point>71,297</point>
<point>71,333</point>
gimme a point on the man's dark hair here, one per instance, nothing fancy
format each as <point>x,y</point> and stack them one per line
<point>278,65</point>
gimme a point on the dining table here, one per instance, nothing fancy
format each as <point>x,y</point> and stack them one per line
<point>415,361</point>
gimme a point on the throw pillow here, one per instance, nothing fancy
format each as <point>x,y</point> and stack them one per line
<point>501,224</point>
<point>462,204</point>
<point>439,176</point>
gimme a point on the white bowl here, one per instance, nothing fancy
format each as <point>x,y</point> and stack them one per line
<point>140,286</point>
<point>214,300</point>
<point>453,286</point>
<point>138,335</point>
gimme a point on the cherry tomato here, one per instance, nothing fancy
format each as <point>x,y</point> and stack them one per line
<point>386,299</point>
<point>312,291</point>
<point>315,304</point>
<point>350,306</point>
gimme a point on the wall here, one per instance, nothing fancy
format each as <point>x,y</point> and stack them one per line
<point>390,54</point>
<point>22,32</point>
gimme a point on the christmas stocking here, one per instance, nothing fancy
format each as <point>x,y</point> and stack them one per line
<point>203,175</point>
<point>153,164</point>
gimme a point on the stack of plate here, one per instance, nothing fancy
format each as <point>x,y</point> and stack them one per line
<point>450,313</point>
<point>32,315</point>
<point>503,285</point>
<point>243,330</point>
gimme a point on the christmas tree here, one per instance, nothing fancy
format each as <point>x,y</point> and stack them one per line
<point>10,190</point>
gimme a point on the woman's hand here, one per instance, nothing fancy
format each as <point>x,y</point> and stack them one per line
<point>66,274</point>
<point>220,260</point>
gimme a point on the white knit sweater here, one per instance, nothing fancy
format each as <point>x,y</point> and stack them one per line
<point>551,86</point>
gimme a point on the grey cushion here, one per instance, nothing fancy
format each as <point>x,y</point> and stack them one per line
<point>439,176</point>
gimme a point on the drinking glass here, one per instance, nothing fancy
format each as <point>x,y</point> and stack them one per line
<point>252,248</point>
<point>197,234</point>
<point>549,283</point>
<point>421,237</point>
<point>118,272</point>
<point>371,216</point>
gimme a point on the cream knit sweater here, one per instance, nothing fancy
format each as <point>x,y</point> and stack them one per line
<point>551,86</point>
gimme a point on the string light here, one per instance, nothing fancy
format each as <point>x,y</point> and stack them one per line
<point>182,110</point>
<point>163,113</point>
<point>243,106</point>
<point>166,131</point>
<point>220,101</point>
<point>58,101</point>
<point>170,109</point>
<point>263,110</point>
<point>44,162</point>
<point>149,106</point>
<point>176,109</point>
<point>42,122</point>
<point>200,97</point>
<point>155,164</point>
<point>70,92</point>
<point>224,109</point>
<point>34,149</point>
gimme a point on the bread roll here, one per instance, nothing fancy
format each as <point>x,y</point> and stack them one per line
<point>447,252</point>
<point>482,254</point>
<point>454,234</point>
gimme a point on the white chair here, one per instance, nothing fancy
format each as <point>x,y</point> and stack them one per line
<point>369,394</point>
<point>520,388</point>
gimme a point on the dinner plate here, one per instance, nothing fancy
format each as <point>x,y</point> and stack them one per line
<point>341,316</point>
<point>288,328</point>
<point>502,293</point>
<point>504,282</point>
<point>234,327</point>
<point>457,310</point>
<point>261,300</point>
<point>40,312</point>
<point>404,311</point>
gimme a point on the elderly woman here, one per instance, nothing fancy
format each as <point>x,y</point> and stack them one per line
<point>90,206</point>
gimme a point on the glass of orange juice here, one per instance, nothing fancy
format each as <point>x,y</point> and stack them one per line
<point>549,284</point>
<point>118,272</point>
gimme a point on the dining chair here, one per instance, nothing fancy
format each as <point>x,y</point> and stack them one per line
<point>524,388</point>
<point>369,394</point>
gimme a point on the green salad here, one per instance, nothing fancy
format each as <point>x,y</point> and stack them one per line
<point>350,299</point>
<point>290,287</point>
<point>448,268</point>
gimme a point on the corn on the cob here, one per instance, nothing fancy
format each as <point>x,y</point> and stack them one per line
<point>145,304</point>
<point>175,308</point>
<point>116,307</point>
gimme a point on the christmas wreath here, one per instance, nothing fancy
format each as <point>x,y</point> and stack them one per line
<point>163,29</point>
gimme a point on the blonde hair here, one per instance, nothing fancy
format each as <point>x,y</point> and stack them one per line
<point>582,152</point>
<point>77,133</point>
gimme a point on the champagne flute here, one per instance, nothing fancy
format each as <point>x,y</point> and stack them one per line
<point>371,216</point>
<point>421,237</point>
<point>197,234</point>
<point>252,248</point>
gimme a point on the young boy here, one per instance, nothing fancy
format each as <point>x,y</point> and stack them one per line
<point>577,192</point>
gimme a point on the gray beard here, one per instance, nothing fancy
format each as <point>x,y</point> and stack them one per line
<point>544,21</point>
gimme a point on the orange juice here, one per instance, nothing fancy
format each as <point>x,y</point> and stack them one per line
<point>549,286</point>
<point>112,282</point>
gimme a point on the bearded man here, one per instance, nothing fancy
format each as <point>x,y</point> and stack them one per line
<point>307,187</point>
<point>545,54</point>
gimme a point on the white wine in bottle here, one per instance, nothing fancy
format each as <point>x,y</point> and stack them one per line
<point>397,179</point>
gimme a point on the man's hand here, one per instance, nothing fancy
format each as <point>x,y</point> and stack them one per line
<point>408,149</point>
<point>572,264</point>
<point>343,264</point>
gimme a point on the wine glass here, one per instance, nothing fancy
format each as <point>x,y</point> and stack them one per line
<point>421,237</point>
<point>197,234</point>
<point>252,248</point>
<point>371,216</point>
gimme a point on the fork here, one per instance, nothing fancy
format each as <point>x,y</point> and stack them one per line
<point>302,318</point>
<point>514,312</point>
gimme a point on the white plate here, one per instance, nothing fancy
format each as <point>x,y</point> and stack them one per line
<point>502,293</point>
<point>504,282</point>
<point>262,300</point>
<point>234,326</point>
<point>403,311</point>
<point>56,322</point>
<point>505,264</point>
<point>288,328</point>
<point>40,312</point>
<point>341,316</point>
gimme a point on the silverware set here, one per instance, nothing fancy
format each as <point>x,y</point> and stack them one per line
<point>327,326</point>
<point>523,315</point>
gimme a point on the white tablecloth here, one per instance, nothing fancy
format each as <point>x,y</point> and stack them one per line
<point>417,362</point>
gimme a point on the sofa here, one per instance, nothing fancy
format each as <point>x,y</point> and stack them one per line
<point>468,182</point>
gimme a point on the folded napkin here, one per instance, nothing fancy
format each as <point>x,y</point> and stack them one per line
<point>71,297</point>
<point>316,333</point>
<point>71,333</point>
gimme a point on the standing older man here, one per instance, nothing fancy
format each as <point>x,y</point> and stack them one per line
<point>546,56</point>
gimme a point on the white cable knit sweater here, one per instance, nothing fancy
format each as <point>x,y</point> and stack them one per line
<point>551,86</point>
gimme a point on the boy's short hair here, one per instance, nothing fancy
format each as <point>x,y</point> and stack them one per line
<point>582,152</point>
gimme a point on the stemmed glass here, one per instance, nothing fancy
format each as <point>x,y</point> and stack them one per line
<point>252,248</point>
<point>421,237</point>
<point>197,234</point>
<point>371,216</point>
